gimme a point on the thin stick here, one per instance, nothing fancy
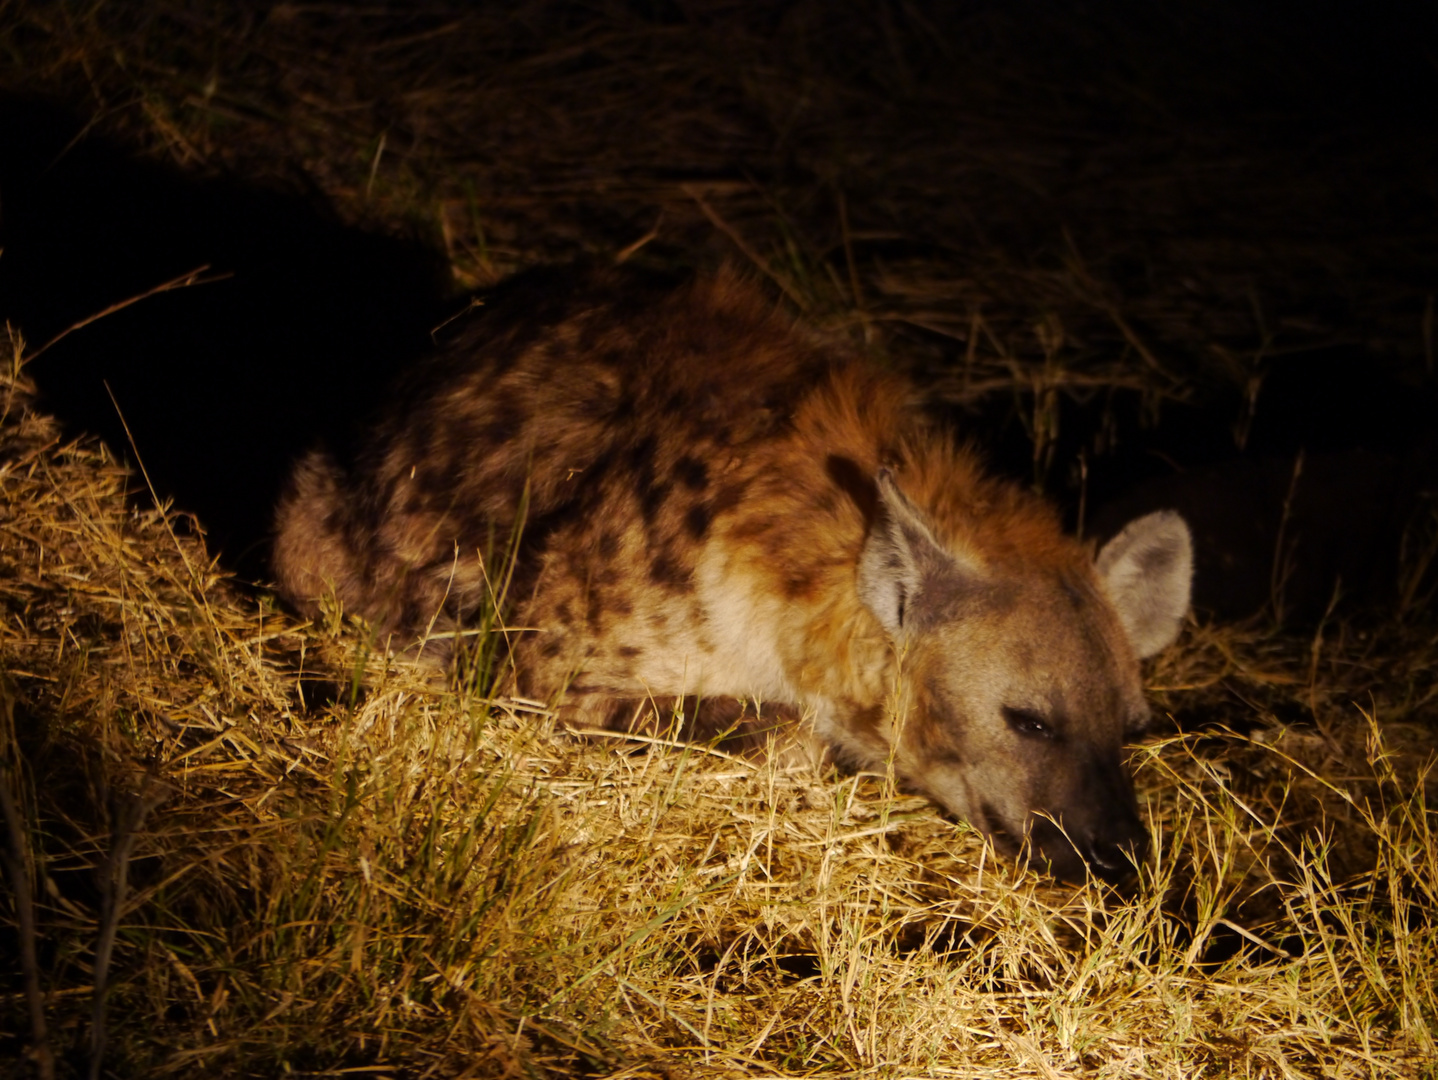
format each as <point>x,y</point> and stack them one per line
<point>675,744</point>
<point>625,252</point>
<point>184,281</point>
<point>743,245</point>
<point>1281,570</point>
<point>114,884</point>
<point>853,266</point>
<point>374,165</point>
<point>165,516</point>
<point>18,873</point>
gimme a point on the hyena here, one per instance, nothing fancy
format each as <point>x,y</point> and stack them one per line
<point>723,509</point>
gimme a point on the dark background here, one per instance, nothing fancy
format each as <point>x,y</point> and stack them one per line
<point>1252,192</point>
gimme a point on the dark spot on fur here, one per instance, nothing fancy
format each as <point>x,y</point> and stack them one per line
<point>565,612</point>
<point>726,498</point>
<point>629,652</point>
<point>678,402</point>
<point>599,401</point>
<point>855,482</point>
<point>692,473</point>
<point>550,649</point>
<point>641,456</point>
<point>748,529</point>
<point>594,610</point>
<point>650,494</point>
<point>799,584</point>
<point>651,499</point>
<point>509,420</point>
<point>620,606</point>
<point>608,545</point>
<point>696,521</point>
<point>433,481</point>
<point>668,573</point>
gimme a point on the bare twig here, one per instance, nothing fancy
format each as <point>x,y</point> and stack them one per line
<point>155,497</point>
<point>749,253</point>
<point>1281,569</point>
<point>184,281</point>
<point>114,885</point>
<point>628,250</point>
<point>17,869</point>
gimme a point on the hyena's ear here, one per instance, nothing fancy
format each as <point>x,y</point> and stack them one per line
<point>1147,571</point>
<point>906,578</point>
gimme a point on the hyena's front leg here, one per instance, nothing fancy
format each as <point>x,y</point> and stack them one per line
<point>734,725</point>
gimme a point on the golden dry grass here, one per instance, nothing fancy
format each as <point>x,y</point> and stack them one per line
<point>416,881</point>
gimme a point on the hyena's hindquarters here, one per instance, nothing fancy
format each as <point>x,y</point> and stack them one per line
<point>311,553</point>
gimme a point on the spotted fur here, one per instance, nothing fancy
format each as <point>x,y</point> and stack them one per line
<point>719,508</point>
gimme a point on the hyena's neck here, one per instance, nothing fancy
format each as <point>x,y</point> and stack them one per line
<point>778,576</point>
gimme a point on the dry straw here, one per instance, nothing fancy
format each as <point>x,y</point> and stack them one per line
<point>241,845</point>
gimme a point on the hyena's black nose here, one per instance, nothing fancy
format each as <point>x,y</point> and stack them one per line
<point>1118,850</point>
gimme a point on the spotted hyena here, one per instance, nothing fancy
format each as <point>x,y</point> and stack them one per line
<point>719,508</point>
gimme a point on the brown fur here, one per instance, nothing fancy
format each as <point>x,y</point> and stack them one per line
<point>715,503</point>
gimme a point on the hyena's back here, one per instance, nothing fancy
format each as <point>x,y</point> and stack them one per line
<point>604,398</point>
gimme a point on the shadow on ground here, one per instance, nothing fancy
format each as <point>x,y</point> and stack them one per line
<point>220,384</point>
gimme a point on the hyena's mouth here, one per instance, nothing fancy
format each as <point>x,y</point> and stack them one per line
<point>1045,846</point>
<point>991,824</point>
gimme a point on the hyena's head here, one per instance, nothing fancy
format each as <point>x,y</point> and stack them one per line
<point>1022,679</point>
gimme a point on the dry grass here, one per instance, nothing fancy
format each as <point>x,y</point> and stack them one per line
<point>421,882</point>
<point>307,857</point>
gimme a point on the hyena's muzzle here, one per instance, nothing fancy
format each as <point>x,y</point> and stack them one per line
<point>1098,828</point>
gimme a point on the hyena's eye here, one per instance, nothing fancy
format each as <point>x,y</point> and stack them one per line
<point>1028,723</point>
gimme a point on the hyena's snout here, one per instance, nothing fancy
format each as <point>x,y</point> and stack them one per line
<point>1094,827</point>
